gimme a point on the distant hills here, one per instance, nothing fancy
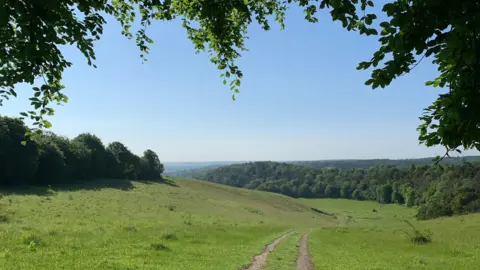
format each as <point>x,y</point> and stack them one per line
<point>193,169</point>
<point>179,168</point>
<point>366,163</point>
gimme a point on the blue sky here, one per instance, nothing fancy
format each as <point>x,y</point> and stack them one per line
<point>301,98</point>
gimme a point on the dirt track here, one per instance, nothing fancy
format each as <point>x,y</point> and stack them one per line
<point>304,262</point>
<point>259,261</point>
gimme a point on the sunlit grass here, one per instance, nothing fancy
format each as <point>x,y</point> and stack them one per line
<point>364,239</point>
<point>113,225</point>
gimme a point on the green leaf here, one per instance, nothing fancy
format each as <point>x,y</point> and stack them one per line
<point>46,124</point>
<point>13,92</point>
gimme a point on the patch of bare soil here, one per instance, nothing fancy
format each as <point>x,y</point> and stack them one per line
<point>304,262</point>
<point>259,261</point>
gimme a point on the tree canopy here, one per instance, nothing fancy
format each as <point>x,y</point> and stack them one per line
<point>53,159</point>
<point>444,31</point>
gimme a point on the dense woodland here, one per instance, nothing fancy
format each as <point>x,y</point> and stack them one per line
<point>367,163</point>
<point>441,190</point>
<point>53,159</point>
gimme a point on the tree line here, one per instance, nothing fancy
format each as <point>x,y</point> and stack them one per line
<point>53,159</point>
<point>436,191</point>
<point>367,163</point>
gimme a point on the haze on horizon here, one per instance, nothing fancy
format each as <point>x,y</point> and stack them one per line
<point>301,98</point>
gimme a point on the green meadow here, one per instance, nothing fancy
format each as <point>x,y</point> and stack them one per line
<point>189,224</point>
<point>381,239</point>
<point>112,224</point>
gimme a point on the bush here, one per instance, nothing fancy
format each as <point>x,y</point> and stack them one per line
<point>473,206</point>
<point>417,237</point>
<point>356,195</point>
<point>31,239</point>
<point>461,200</point>
<point>434,209</point>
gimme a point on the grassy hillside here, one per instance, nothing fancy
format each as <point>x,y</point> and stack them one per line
<point>365,239</point>
<point>184,224</point>
<point>189,224</point>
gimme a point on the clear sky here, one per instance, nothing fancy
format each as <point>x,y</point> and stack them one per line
<point>301,98</point>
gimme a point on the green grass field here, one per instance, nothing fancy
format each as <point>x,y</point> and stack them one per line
<point>188,224</point>
<point>118,225</point>
<point>365,239</point>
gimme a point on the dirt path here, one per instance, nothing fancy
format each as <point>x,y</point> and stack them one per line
<point>304,262</point>
<point>259,260</point>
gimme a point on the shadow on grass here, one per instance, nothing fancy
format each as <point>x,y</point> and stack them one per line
<point>163,181</point>
<point>98,184</point>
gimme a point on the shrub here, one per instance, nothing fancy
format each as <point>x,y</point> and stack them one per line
<point>416,236</point>
<point>171,207</point>
<point>473,206</point>
<point>461,200</point>
<point>31,239</point>
<point>434,209</point>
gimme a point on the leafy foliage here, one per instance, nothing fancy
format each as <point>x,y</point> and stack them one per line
<point>152,168</point>
<point>124,162</point>
<point>98,155</point>
<point>32,32</point>
<point>53,159</point>
<point>19,163</point>
<point>52,166</point>
<point>437,190</point>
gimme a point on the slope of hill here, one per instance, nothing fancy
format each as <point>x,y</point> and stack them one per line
<point>113,224</point>
<point>190,224</point>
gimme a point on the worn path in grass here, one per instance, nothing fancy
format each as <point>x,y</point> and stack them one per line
<point>258,262</point>
<point>304,261</point>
